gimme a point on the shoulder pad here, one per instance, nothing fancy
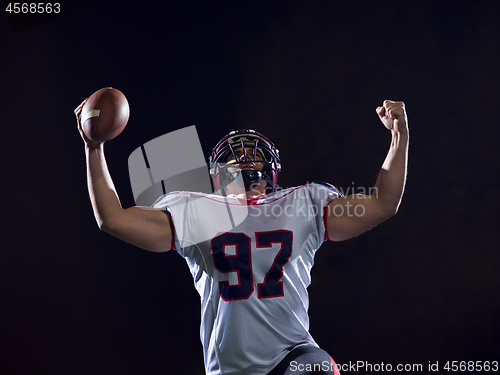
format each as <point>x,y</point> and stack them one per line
<point>330,186</point>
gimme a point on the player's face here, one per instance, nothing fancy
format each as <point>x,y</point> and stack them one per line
<point>254,164</point>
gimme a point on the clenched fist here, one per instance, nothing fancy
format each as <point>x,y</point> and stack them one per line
<point>393,116</point>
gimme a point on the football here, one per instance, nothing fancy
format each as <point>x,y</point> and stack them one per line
<point>105,114</point>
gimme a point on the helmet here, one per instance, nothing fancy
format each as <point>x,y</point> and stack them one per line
<point>244,139</point>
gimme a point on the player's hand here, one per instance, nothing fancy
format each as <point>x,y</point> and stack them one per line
<point>393,116</point>
<point>87,140</point>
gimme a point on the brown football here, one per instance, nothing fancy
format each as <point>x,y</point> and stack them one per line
<point>105,114</point>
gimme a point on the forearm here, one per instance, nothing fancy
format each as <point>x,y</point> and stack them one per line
<point>391,180</point>
<point>389,187</point>
<point>102,192</point>
<point>146,227</point>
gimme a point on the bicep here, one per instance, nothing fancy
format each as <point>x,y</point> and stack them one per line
<point>145,227</point>
<point>352,215</point>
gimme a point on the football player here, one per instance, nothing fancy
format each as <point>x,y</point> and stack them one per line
<point>250,246</point>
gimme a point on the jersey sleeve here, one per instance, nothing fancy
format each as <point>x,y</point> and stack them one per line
<point>323,194</point>
<point>168,204</point>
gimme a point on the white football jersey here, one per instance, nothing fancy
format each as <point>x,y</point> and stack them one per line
<point>251,262</point>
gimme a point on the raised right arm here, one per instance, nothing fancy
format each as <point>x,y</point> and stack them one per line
<point>146,227</point>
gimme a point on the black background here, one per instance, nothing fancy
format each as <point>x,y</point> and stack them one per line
<point>422,287</point>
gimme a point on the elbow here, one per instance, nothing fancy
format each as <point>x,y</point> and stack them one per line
<point>388,207</point>
<point>104,225</point>
<point>391,211</point>
<point>107,221</point>
<point>388,211</point>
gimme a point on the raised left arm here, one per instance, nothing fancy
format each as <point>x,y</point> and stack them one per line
<point>352,215</point>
